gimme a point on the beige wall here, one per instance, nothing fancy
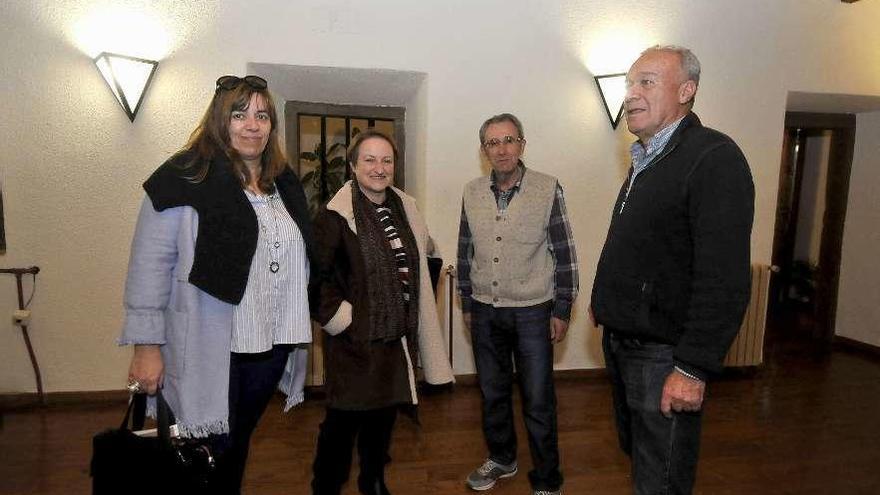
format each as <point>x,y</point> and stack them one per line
<point>858,303</point>
<point>72,164</point>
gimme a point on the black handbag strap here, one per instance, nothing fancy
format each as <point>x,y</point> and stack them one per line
<point>137,403</point>
<point>137,411</point>
<point>163,418</point>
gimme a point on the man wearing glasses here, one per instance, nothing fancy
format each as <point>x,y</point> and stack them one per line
<point>517,277</point>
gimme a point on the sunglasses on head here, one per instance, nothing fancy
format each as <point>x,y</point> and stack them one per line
<point>232,82</point>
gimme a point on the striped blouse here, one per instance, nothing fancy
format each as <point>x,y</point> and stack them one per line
<point>274,309</point>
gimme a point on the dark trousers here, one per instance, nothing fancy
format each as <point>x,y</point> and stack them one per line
<point>663,451</point>
<point>336,438</point>
<point>500,338</point>
<point>253,379</point>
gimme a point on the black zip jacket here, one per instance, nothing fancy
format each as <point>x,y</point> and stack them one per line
<point>675,266</point>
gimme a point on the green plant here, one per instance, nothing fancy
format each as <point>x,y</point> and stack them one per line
<point>327,177</point>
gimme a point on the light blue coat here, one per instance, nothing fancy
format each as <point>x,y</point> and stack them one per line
<point>193,328</point>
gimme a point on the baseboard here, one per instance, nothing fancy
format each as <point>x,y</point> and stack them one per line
<point>863,348</point>
<point>56,399</point>
<point>59,399</point>
<point>559,375</point>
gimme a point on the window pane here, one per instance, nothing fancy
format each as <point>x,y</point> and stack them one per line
<point>309,159</point>
<point>386,127</point>
<point>358,126</point>
<point>336,148</point>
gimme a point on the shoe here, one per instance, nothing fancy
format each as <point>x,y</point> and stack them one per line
<point>547,492</point>
<point>485,476</point>
<point>375,486</point>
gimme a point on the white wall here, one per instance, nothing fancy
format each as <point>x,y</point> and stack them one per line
<point>72,164</point>
<point>858,310</point>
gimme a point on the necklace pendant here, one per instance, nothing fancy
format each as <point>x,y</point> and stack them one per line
<point>273,267</point>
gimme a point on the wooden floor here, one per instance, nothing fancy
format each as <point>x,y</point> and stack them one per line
<point>806,423</point>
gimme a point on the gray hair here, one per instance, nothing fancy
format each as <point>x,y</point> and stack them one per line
<point>497,119</point>
<point>690,65</point>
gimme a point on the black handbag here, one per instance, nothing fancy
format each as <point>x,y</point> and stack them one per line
<point>125,462</point>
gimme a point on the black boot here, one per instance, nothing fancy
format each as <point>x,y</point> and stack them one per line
<point>373,486</point>
<point>333,453</point>
<point>319,488</point>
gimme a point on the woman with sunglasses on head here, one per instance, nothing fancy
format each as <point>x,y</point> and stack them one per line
<point>372,294</point>
<point>216,295</point>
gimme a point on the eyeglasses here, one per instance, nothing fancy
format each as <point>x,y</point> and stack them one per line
<point>493,143</point>
<point>232,82</point>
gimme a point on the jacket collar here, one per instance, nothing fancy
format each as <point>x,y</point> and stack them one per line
<point>689,120</point>
<point>341,203</point>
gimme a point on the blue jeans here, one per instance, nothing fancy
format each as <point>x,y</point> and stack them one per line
<point>663,451</point>
<point>500,337</point>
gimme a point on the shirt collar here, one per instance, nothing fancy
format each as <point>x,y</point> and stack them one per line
<point>657,142</point>
<point>522,168</point>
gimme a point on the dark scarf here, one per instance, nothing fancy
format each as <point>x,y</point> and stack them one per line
<point>390,316</point>
<point>227,236</point>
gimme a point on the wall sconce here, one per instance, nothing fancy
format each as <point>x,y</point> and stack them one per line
<point>128,78</point>
<point>612,89</point>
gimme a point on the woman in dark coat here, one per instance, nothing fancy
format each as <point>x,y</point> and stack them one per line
<point>372,294</point>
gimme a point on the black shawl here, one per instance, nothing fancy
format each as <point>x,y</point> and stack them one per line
<point>227,236</point>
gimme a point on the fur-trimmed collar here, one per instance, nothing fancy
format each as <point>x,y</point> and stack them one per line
<point>341,203</point>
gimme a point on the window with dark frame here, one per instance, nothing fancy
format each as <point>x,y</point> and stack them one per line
<point>318,135</point>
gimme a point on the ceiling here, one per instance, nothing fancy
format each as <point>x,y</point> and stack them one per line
<point>799,101</point>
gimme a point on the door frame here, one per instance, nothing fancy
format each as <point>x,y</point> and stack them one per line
<point>842,128</point>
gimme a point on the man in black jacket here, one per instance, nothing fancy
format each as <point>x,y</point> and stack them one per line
<point>672,283</point>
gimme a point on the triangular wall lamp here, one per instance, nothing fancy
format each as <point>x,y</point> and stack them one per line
<point>128,78</point>
<point>612,89</point>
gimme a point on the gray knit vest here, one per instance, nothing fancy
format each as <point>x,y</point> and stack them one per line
<point>512,265</point>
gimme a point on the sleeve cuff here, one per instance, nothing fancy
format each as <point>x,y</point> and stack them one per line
<point>466,303</point>
<point>689,371</point>
<point>341,320</point>
<point>143,326</point>
<point>562,309</point>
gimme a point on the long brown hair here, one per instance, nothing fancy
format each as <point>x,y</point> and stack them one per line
<point>211,138</point>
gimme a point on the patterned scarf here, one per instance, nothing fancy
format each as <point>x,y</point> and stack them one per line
<point>391,317</point>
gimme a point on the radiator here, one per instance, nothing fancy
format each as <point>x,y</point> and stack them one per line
<point>748,347</point>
